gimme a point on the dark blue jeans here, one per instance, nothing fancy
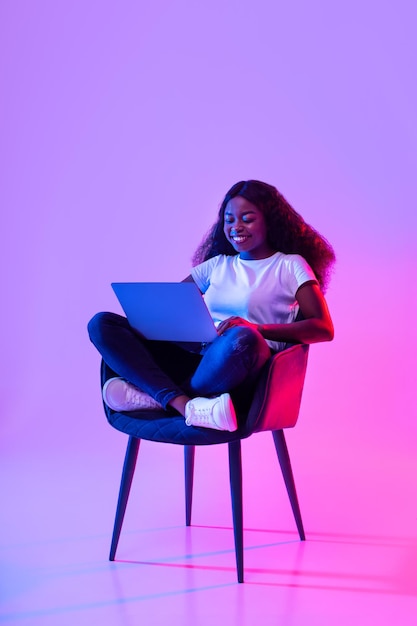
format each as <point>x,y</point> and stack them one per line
<point>166,370</point>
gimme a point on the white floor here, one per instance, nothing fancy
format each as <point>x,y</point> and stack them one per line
<point>358,565</point>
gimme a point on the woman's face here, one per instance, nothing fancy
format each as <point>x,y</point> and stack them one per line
<point>245,229</point>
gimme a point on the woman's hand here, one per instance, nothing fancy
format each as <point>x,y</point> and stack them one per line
<point>234,321</point>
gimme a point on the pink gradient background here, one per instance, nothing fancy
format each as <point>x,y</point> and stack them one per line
<point>122,125</point>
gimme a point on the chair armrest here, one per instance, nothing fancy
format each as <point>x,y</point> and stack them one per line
<point>277,398</point>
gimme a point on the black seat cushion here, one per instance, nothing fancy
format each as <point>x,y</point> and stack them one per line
<point>157,426</point>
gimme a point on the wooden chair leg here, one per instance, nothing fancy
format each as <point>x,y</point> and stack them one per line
<point>189,453</point>
<point>235,471</point>
<point>285,463</point>
<point>125,484</point>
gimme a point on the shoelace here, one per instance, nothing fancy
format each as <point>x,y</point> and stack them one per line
<point>138,398</point>
<point>133,395</point>
<point>203,415</point>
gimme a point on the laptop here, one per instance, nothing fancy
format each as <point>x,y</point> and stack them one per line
<point>167,311</point>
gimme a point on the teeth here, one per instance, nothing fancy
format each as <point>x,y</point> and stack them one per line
<point>239,239</point>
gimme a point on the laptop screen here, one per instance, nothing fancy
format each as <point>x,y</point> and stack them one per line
<point>166,311</point>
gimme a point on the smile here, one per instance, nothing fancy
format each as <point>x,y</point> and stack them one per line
<point>239,238</point>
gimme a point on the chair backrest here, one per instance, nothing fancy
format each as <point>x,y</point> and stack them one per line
<point>277,398</point>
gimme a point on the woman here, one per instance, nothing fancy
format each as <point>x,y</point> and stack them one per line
<point>263,271</point>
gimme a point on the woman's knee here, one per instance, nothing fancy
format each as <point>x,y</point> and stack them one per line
<point>247,338</point>
<point>100,321</point>
<point>248,344</point>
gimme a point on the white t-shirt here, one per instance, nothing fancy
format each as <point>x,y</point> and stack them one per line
<point>261,291</point>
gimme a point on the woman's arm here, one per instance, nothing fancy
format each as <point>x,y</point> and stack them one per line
<point>316,326</point>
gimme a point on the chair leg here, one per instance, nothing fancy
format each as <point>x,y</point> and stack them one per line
<point>125,484</point>
<point>285,463</point>
<point>189,453</point>
<point>235,471</point>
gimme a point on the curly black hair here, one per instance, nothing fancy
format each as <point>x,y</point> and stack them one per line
<point>287,230</point>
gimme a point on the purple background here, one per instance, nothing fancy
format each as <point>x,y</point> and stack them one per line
<point>122,126</point>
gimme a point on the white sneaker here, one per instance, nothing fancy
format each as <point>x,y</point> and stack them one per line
<point>120,395</point>
<point>217,413</point>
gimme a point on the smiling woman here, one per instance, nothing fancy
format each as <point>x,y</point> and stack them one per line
<point>245,228</point>
<point>263,266</point>
<point>286,230</point>
<point>263,272</point>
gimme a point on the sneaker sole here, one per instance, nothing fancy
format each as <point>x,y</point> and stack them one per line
<point>107,400</point>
